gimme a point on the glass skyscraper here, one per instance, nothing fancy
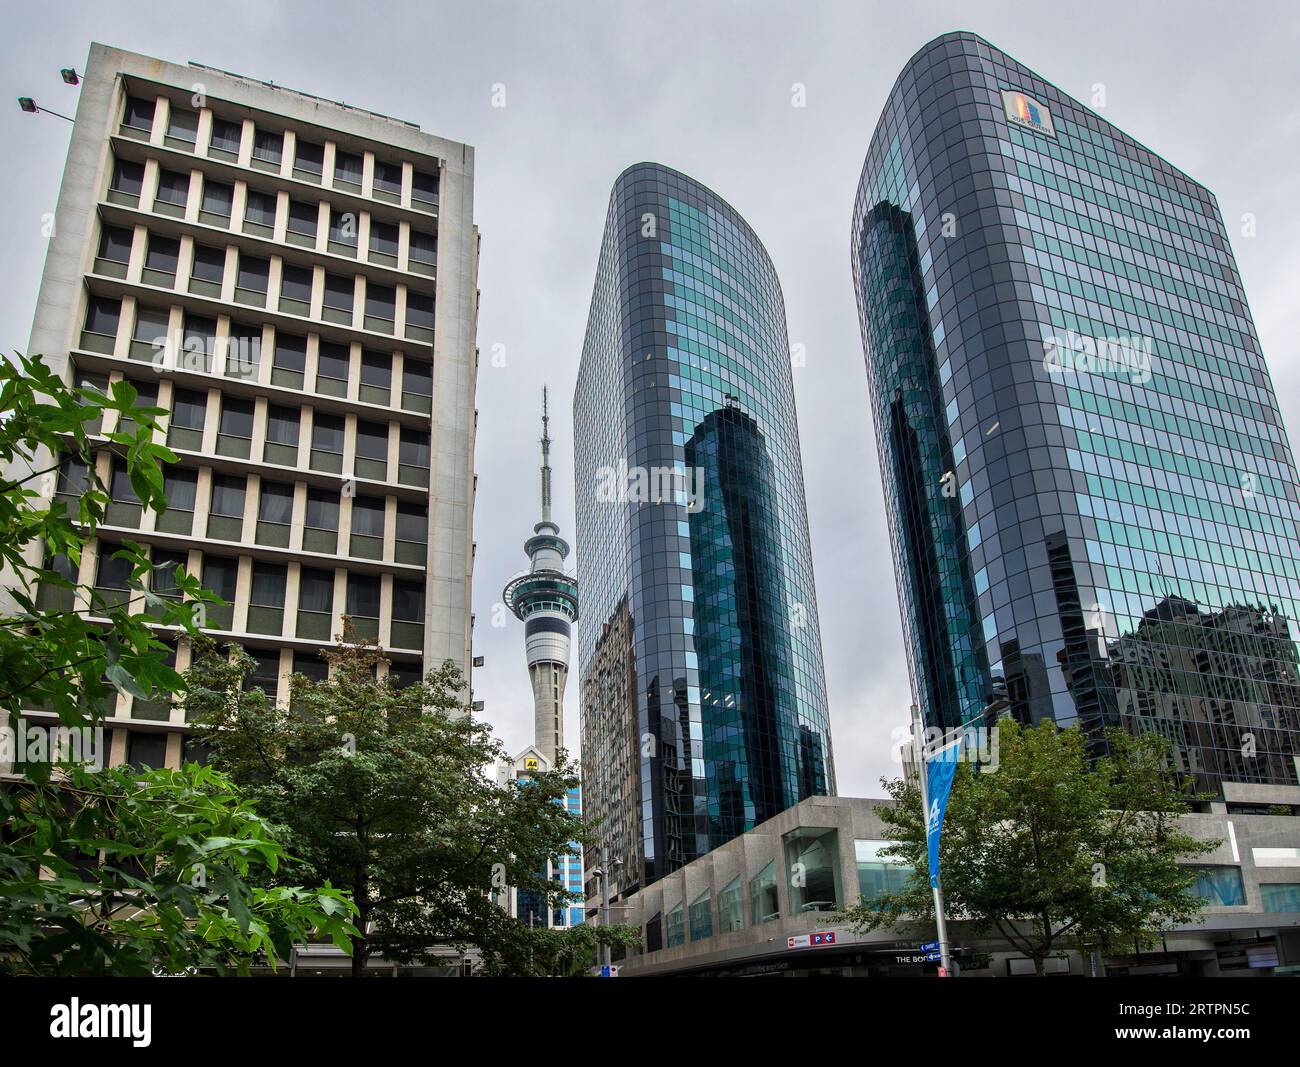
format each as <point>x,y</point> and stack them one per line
<point>703,694</point>
<point>1092,501</point>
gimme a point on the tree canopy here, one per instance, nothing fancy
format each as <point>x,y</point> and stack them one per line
<point>1051,849</point>
<point>381,790</point>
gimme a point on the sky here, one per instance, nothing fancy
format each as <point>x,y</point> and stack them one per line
<point>707,88</point>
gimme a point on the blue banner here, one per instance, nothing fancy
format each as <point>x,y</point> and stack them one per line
<point>938,784</point>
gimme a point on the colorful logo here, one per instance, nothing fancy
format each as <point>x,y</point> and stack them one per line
<point>1023,110</point>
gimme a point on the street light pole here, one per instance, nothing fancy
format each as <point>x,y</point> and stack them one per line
<point>604,900</point>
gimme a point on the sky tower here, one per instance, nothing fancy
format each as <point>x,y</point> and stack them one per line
<point>545,598</point>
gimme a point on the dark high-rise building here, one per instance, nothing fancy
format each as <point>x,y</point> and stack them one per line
<point>704,702</point>
<point>1092,501</point>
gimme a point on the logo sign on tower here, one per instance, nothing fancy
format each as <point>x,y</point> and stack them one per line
<point>1023,110</point>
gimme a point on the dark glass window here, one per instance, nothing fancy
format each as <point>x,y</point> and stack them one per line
<point>226,135</point>
<point>209,263</point>
<point>276,503</point>
<point>372,440</point>
<point>343,226</point>
<point>218,197</point>
<point>381,301</point>
<point>179,487</point>
<point>327,433</point>
<point>151,325</point>
<point>115,243</point>
<point>163,253</point>
<point>310,665</point>
<point>200,333</point>
<point>316,590</point>
<point>415,447</point>
<point>221,576</point>
<point>368,516</point>
<point>424,187</point>
<point>383,238</point>
<point>408,600</point>
<point>146,752</point>
<point>267,589</point>
<point>183,125</point>
<point>412,522</point>
<point>260,209</point>
<point>303,217</point>
<point>139,113</point>
<point>268,145</point>
<point>333,360</point>
<point>377,369</point>
<point>102,315</point>
<point>189,409</point>
<point>74,477</point>
<point>128,177</point>
<point>347,167</point>
<point>322,509</point>
<point>339,292</point>
<point>236,417</point>
<point>419,310</point>
<point>424,247</point>
<point>165,562</point>
<point>295,284</point>
<point>244,349</point>
<point>254,271</point>
<point>388,177</point>
<point>363,596</point>
<point>282,425</point>
<point>173,187</point>
<point>228,492</point>
<point>308,156</point>
<point>290,351</point>
<point>119,485</point>
<point>112,572</point>
<point>417,376</point>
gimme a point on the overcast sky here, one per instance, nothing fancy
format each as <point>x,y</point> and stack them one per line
<point>705,88</point>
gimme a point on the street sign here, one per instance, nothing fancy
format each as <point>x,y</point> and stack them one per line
<point>814,940</point>
<point>608,970</point>
<point>934,956</point>
<point>929,946</point>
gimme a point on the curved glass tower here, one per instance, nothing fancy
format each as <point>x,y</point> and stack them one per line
<point>1093,505</point>
<point>704,702</point>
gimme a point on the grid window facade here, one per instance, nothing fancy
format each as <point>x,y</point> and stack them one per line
<point>686,369</point>
<point>1092,500</point>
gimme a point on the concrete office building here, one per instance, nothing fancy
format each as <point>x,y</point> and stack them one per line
<point>294,281</point>
<point>1093,504</point>
<point>703,694</point>
<point>737,911</point>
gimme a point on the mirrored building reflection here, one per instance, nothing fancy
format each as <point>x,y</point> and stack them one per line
<point>1093,504</point>
<point>704,700</point>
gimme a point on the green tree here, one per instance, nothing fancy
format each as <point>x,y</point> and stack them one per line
<point>100,869</point>
<point>381,790</point>
<point>567,953</point>
<point>52,655</point>
<point>1051,849</point>
<point>112,873</point>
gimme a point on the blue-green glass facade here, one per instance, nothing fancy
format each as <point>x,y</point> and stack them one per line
<point>1093,504</point>
<point>686,369</point>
